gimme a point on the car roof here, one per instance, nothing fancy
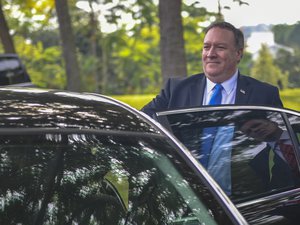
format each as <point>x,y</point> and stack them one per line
<point>40,108</point>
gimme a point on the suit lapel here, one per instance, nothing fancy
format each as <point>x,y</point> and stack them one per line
<point>243,91</point>
<point>196,91</point>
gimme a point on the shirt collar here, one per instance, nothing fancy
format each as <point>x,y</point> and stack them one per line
<point>228,85</point>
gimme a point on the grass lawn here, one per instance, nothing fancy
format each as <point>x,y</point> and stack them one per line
<point>290,98</point>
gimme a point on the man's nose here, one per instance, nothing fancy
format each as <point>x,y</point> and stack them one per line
<point>211,52</point>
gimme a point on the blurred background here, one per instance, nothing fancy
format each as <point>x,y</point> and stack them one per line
<point>127,48</point>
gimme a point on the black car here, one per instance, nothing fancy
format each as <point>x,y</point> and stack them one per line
<point>71,158</point>
<point>13,72</point>
<point>253,155</point>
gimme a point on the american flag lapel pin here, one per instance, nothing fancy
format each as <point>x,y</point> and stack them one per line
<point>242,91</point>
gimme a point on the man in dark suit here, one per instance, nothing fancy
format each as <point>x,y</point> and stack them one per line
<point>275,163</point>
<point>222,51</point>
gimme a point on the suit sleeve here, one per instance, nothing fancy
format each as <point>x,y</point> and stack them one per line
<point>276,100</point>
<point>160,102</point>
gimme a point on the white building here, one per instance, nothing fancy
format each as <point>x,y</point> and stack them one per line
<point>256,39</point>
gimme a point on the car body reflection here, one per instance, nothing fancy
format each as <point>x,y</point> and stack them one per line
<point>70,158</point>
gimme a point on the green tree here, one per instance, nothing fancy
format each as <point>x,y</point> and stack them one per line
<point>34,15</point>
<point>173,61</point>
<point>44,65</point>
<point>282,33</point>
<point>289,62</point>
<point>287,34</point>
<point>246,63</point>
<point>68,45</point>
<point>264,69</point>
<point>99,50</point>
<point>5,37</point>
<point>136,63</point>
<point>127,60</point>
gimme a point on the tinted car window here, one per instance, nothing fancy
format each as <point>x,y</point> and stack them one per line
<point>251,161</point>
<point>79,178</point>
<point>257,167</point>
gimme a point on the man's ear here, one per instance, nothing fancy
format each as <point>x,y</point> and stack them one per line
<point>240,54</point>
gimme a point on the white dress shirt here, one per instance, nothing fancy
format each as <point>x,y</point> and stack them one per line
<point>219,163</point>
<point>228,92</point>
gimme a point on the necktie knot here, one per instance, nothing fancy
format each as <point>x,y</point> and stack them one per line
<point>216,97</point>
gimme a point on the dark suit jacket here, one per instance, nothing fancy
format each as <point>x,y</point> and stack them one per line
<point>188,92</point>
<point>254,177</point>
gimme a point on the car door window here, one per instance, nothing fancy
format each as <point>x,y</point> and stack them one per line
<point>255,164</point>
<point>264,159</point>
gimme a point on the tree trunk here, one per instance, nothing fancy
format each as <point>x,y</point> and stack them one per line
<point>5,37</point>
<point>68,44</point>
<point>173,62</point>
<point>104,65</point>
<point>93,40</point>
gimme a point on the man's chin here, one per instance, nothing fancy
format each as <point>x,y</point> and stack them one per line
<point>212,75</point>
<point>213,69</point>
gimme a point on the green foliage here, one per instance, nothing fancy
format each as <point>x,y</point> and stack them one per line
<point>27,16</point>
<point>89,64</point>
<point>265,70</point>
<point>289,62</point>
<point>125,61</point>
<point>246,63</point>
<point>290,98</point>
<point>135,101</point>
<point>121,61</point>
<point>44,66</point>
<point>287,34</point>
<point>282,33</point>
<point>193,37</point>
<point>137,61</point>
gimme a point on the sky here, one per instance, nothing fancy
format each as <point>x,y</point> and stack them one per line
<point>257,12</point>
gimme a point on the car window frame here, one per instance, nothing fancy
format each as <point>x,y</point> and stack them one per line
<point>248,205</point>
<point>162,118</point>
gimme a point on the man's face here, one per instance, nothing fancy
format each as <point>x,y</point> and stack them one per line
<point>220,55</point>
<point>261,130</point>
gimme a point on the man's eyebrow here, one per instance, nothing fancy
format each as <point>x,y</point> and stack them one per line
<point>221,43</point>
<point>215,43</point>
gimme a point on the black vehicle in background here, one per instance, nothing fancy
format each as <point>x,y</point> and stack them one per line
<point>12,71</point>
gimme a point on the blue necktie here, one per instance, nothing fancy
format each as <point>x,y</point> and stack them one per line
<point>216,97</point>
<point>209,132</point>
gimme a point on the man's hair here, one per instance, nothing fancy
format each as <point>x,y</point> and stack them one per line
<point>246,116</point>
<point>237,33</point>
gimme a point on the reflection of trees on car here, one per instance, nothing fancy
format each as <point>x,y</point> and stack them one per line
<point>59,177</point>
